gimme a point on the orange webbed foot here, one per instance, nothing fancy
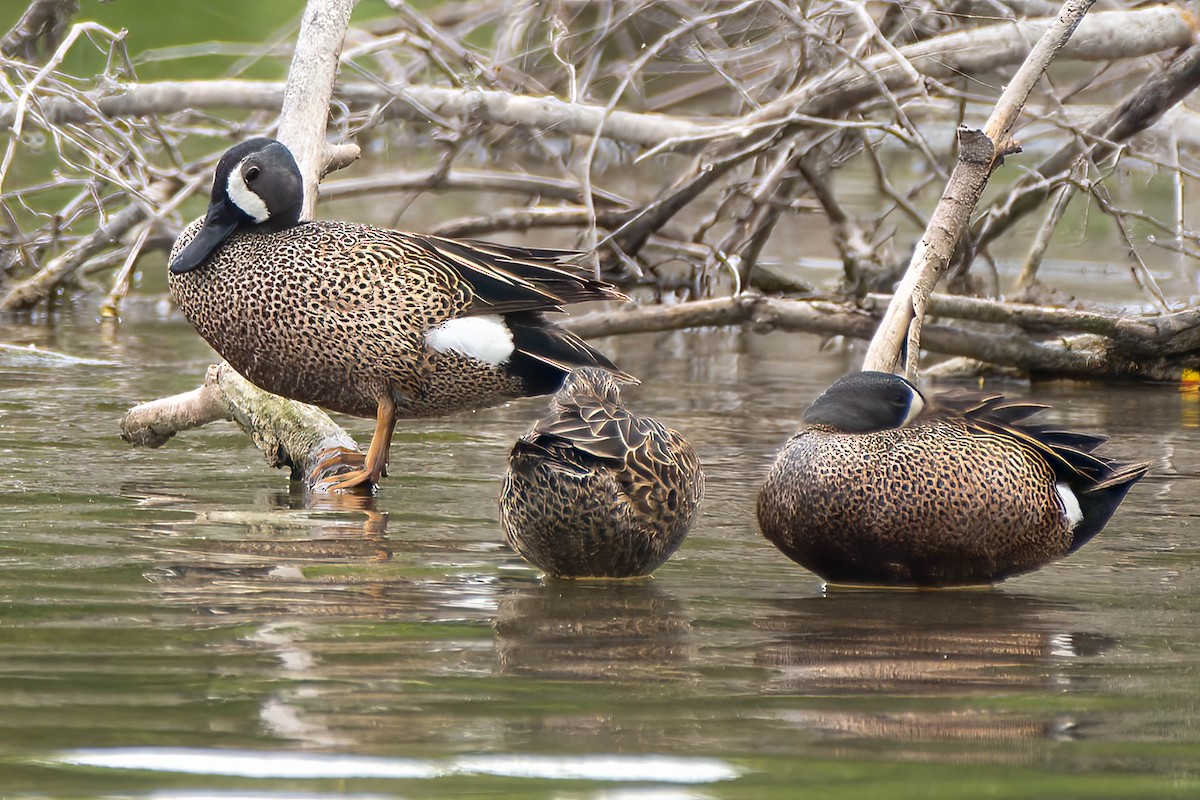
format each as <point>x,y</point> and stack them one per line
<point>345,481</point>
<point>359,475</point>
<point>365,469</point>
<point>337,456</point>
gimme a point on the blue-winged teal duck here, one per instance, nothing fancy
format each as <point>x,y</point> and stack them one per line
<point>596,491</point>
<point>881,487</point>
<point>367,321</point>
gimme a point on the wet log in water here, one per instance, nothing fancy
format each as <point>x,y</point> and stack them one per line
<point>291,435</point>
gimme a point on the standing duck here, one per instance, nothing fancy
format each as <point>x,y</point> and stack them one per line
<point>881,487</point>
<point>595,490</point>
<point>366,321</point>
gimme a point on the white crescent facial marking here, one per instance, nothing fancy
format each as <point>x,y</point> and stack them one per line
<point>1071,509</point>
<point>915,406</point>
<point>485,338</point>
<point>244,197</point>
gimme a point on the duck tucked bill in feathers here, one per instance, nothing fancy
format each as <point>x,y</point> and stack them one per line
<point>369,321</point>
<point>883,486</point>
<point>595,490</point>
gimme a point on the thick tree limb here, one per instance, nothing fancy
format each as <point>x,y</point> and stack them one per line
<point>980,152</point>
<point>290,435</point>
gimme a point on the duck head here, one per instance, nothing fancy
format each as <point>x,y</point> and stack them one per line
<point>865,402</point>
<point>257,186</point>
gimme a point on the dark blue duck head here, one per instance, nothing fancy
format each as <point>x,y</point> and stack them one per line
<point>257,187</point>
<point>865,402</point>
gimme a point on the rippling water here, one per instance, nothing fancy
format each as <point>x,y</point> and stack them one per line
<point>178,622</point>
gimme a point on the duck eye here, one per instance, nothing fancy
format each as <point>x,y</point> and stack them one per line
<point>252,172</point>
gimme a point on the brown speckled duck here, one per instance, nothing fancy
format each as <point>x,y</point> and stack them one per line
<point>596,491</point>
<point>882,487</point>
<point>367,321</point>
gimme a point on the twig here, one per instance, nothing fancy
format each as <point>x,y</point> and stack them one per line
<point>43,21</point>
<point>120,287</point>
<point>467,180</point>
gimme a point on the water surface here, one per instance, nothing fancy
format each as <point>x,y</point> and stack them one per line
<point>181,622</point>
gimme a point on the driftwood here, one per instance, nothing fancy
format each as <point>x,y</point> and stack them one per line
<point>1037,340</point>
<point>290,435</point>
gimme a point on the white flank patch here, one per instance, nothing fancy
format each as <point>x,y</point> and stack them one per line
<point>915,406</point>
<point>1071,507</point>
<point>485,338</point>
<point>244,197</point>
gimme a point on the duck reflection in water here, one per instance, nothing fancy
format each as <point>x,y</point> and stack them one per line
<point>593,630</point>
<point>925,644</point>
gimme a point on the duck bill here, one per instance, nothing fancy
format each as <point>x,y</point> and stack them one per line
<point>217,228</point>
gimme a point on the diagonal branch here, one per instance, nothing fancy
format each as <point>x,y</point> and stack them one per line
<point>980,152</point>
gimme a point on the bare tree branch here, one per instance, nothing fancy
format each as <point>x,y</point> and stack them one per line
<point>980,152</point>
<point>290,435</point>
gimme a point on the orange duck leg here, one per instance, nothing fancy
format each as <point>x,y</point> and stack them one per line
<point>369,468</point>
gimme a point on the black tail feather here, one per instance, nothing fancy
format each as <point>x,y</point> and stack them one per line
<point>1099,502</point>
<point>545,353</point>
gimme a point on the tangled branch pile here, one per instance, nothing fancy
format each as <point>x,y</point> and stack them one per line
<point>737,117</point>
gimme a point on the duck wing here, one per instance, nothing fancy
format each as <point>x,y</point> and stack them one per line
<point>505,278</point>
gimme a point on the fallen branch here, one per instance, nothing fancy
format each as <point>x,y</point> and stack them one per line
<point>290,435</point>
<point>1149,348</point>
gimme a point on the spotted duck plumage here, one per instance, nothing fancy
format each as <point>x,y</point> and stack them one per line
<point>882,487</point>
<point>368,321</point>
<point>597,491</point>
